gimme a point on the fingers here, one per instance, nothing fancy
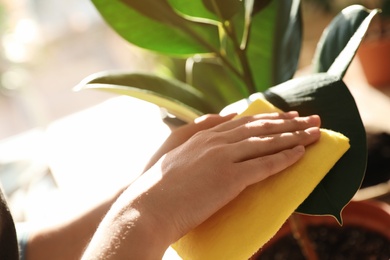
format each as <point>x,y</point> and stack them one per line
<point>269,127</point>
<point>201,123</point>
<point>204,122</point>
<point>262,146</point>
<point>244,120</point>
<point>183,133</point>
<point>211,120</point>
<point>260,168</point>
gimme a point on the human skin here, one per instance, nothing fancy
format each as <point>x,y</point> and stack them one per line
<point>196,178</point>
<point>68,238</point>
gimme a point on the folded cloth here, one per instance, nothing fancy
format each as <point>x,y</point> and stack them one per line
<point>244,225</point>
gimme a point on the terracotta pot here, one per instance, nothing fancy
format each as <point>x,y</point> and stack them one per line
<point>374,56</point>
<point>372,215</point>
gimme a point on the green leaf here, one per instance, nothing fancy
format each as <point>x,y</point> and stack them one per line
<point>180,99</point>
<point>341,39</point>
<point>258,5</point>
<point>288,41</point>
<point>225,9</point>
<point>153,25</point>
<point>274,43</point>
<point>251,8</point>
<point>192,8</point>
<point>329,97</point>
<point>160,11</point>
<point>210,77</point>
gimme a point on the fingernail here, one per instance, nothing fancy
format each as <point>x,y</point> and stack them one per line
<point>299,149</point>
<point>292,113</point>
<point>230,115</point>
<point>312,130</point>
<point>315,118</point>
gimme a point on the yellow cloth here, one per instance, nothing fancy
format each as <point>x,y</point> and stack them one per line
<point>243,226</point>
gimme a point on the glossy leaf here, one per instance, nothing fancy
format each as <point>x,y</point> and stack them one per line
<point>209,76</point>
<point>258,5</point>
<point>224,9</point>
<point>194,9</point>
<point>249,12</point>
<point>180,99</point>
<point>160,10</point>
<point>288,42</point>
<point>231,42</point>
<point>251,8</point>
<point>275,42</point>
<point>158,30</point>
<point>347,28</point>
<point>330,98</point>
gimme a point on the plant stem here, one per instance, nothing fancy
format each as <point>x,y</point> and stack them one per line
<point>247,77</point>
<point>300,234</point>
<point>223,59</point>
<point>246,74</point>
<point>230,32</point>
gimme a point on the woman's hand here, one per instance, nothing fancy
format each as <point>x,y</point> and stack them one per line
<point>194,180</point>
<point>215,165</point>
<point>183,133</point>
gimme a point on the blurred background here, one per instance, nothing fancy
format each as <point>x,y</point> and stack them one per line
<point>46,48</point>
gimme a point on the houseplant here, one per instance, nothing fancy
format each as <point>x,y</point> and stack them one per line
<point>234,51</point>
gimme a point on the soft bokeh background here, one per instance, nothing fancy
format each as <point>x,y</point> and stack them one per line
<point>47,47</point>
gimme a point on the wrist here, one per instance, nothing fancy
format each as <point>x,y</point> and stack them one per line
<point>147,233</point>
<point>130,230</point>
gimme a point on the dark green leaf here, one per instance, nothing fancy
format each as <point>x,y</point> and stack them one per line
<point>259,5</point>
<point>252,7</point>
<point>180,99</point>
<point>161,31</point>
<point>249,5</point>
<point>330,98</point>
<point>341,39</point>
<point>211,77</point>
<point>225,9</point>
<point>288,39</point>
<point>260,47</point>
<point>231,43</point>
<point>192,8</point>
<point>274,43</point>
<point>157,10</point>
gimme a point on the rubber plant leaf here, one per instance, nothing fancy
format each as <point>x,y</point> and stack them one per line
<point>193,9</point>
<point>258,5</point>
<point>274,43</point>
<point>178,98</point>
<point>347,28</point>
<point>210,77</point>
<point>251,8</point>
<point>224,9</point>
<point>155,26</point>
<point>328,96</point>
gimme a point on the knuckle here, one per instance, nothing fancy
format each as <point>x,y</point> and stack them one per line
<point>268,164</point>
<point>266,124</point>
<point>204,137</point>
<point>232,178</point>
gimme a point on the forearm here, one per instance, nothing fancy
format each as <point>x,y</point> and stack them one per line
<point>129,231</point>
<point>68,239</point>
<point>126,237</point>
